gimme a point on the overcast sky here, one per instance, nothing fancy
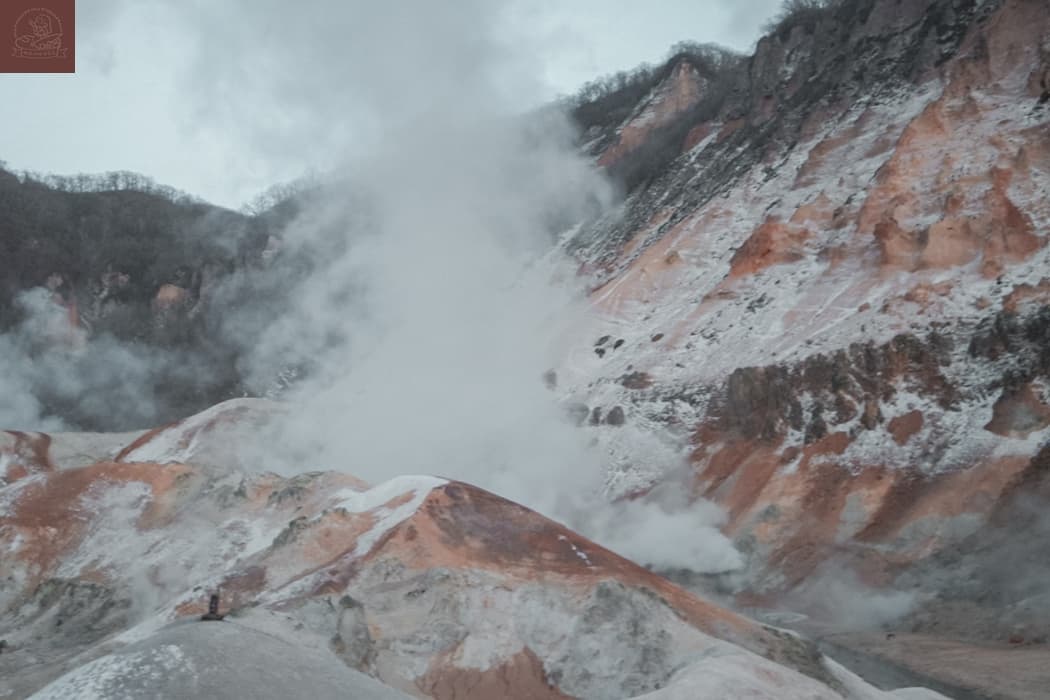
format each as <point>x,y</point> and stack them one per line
<point>173,90</point>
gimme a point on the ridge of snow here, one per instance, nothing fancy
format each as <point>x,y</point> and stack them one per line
<point>376,499</point>
<point>181,441</point>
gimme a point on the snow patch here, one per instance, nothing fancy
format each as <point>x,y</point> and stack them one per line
<point>577,551</point>
<point>375,500</point>
<point>103,678</point>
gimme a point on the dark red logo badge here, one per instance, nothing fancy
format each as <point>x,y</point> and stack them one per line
<point>40,36</point>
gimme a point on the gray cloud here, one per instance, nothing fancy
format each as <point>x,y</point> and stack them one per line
<point>128,108</point>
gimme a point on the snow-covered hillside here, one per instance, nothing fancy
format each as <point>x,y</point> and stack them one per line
<point>435,588</point>
<point>836,295</point>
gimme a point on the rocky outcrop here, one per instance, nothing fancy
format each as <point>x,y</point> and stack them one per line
<point>880,479</point>
<point>810,71</point>
<point>766,403</point>
<point>675,95</point>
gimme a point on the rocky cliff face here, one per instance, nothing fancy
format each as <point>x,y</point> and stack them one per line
<point>112,281</point>
<point>836,291</point>
<point>435,588</point>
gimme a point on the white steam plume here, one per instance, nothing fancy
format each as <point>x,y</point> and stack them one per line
<point>440,304</point>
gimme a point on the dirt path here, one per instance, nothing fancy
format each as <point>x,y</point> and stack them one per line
<point>962,670</point>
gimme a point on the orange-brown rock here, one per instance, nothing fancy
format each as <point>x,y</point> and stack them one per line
<point>169,296</point>
<point>23,454</point>
<point>903,427</point>
<point>520,676</point>
<point>772,243</point>
<point>678,93</point>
